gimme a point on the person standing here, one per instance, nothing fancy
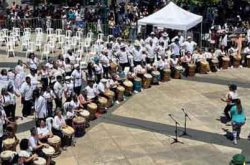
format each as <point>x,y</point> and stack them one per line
<point>77,79</point>
<point>26,93</point>
<point>58,90</point>
<point>238,120</point>
<point>40,105</point>
<point>13,94</point>
<point>231,98</point>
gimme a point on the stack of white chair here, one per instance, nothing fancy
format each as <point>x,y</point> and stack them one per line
<point>30,48</point>
<point>50,33</point>
<point>10,48</point>
<point>58,34</point>
<point>46,52</point>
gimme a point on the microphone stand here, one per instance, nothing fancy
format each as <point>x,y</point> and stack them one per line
<point>176,131</point>
<point>185,124</point>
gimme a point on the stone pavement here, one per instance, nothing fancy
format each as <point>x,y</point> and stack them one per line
<point>140,131</point>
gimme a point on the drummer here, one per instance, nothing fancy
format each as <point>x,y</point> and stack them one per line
<point>91,91</point>
<point>185,60</point>
<point>82,100</point>
<point>174,62</point>
<point>43,132</point>
<point>58,124</point>
<point>25,156</point>
<point>35,144</point>
<point>246,52</point>
<point>233,50</point>
<point>220,53</point>
<point>10,134</point>
<point>101,86</point>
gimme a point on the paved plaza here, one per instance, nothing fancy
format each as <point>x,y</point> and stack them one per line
<point>139,131</point>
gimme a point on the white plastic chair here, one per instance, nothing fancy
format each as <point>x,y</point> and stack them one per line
<point>87,44</point>
<point>17,33</point>
<point>100,36</point>
<point>25,42</point>
<point>74,43</point>
<point>46,52</point>
<point>30,48</point>
<point>79,35</point>
<point>10,49</point>
<point>52,46</point>
<point>49,32</point>
<point>38,44</point>
<point>58,34</point>
<point>2,38</point>
<point>61,41</point>
<point>39,31</point>
<point>49,123</point>
<point>27,30</point>
<point>68,34</point>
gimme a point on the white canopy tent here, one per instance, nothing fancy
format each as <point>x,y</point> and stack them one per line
<point>172,17</point>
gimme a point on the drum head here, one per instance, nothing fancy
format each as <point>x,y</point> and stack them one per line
<point>92,105</point>
<point>85,113</point>
<point>121,88</point>
<point>48,150</point>
<point>128,83</point>
<point>6,155</point>
<point>54,139</point>
<point>9,141</point>
<point>40,161</point>
<point>148,76</point>
<point>79,119</point>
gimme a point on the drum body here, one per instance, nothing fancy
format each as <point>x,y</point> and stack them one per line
<point>177,72</point>
<point>55,142</point>
<point>113,68</point>
<point>248,61</point>
<point>146,82</point>
<point>85,114</point>
<point>102,104</point>
<point>68,134</point>
<point>9,144</point>
<point>236,61</point>
<point>137,84</point>
<point>204,67</point>
<point>39,161</point>
<point>79,125</point>
<point>120,93</point>
<point>166,75</point>
<point>156,77</point>
<point>128,87</point>
<point>110,96</point>
<point>92,108</point>
<point>214,65</point>
<point>191,70</point>
<point>225,62</point>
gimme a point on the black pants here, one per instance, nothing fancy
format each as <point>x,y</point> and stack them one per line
<point>50,108</point>
<point>137,63</point>
<point>150,60</point>
<point>226,111</point>
<point>27,104</point>
<point>77,90</point>
<point>7,110</point>
<point>123,65</point>
<point>1,142</point>
<point>45,82</point>
<point>106,72</point>
<point>13,112</point>
<point>58,102</point>
<point>98,77</point>
<point>59,134</point>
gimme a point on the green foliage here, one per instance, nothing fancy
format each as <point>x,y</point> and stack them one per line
<point>199,2</point>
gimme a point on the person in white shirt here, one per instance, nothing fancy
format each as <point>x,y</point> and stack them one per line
<point>43,132</point>
<point>2,123</point>
<point>98,70</point>
<point>26,93</point>
<point>91,91</point>
<point>165,39</point>
<point>189,45</point>
<point>40,105</point>
<point>77,79</point>
<point>6,100</point>
<point>68,88</point>
<point>25,155</point>
<point>123,57</point>
<point>58,124</point>
<point>58,90</point>
<point>150,49</point>
<point>33,62</point>
<point>35,144</point>
<point>101,86</point>
<point>105,61</point>
<point>137,54</point>
<point>49,95</point>
<point>175,47</point>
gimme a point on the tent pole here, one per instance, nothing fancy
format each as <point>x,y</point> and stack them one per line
<point>201,36</point>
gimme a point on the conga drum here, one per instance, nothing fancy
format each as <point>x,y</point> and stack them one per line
<point>6,157</point>
<point>204,67</point>
<point>79,125</point>
<point>113,68</point>
<point>92,108</point>
<point>248,61</point>
<point>55,142</point>
<point>147,78</point>
<point>102,104</point>
<point>120,93</point>
<point>48,151</point>
<point>137,84</point>
<point>68,134</point>
<point>110,95</point>
<point>156,77</point>
<point>215,65</point>
<point>39,161</point>
<point>166,75</point>
<point>128,87</point>
<point>9,144</point>
<point>86,115</point>
<point>236,61</point>
<point>191,70</point>
<point>178,71</point>
<point>225,62</point>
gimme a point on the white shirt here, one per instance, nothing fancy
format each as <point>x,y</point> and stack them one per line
<point>247,50</point>
<point>41,107</point>
<point>33,143</point>
<point>2,122</point>
<point>189,46</point>
<point>100,88</point>
<point>57,123</point>
<point>91,92</point>
<point>123,57</point>
<point>77,78</point>
<point>104,61</point>
<point>69,88</point>
<point>26,91</point>
<point>49,96</point>
<point>24,154</point>
<point>6,100</point>
<point>58,89</point>
<point>43,131</point>
<point>98,68</point>
<point>150,49</point>
<point>175,49</point>
<point>33,63</point>
<point>137,54</point>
